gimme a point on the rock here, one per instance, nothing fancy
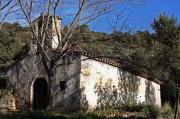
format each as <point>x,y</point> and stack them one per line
<point>4,111</point>
<point>7,101</point>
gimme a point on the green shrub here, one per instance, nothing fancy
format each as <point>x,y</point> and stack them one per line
<point>151,111</point>
<point>88,115</point>
<point>132,106</point>
<point>167,110</point>
<point>105,111</point>
<point>91,116</point>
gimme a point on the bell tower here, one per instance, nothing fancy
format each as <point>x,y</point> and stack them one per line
<point>48,31</point>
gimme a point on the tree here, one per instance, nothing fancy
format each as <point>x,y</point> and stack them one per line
<point>168,33</point>
<point>82,12</point>
<point>12,38</point>
<point>85,12</point>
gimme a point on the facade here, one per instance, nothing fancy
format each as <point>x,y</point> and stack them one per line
<point>79,83</point>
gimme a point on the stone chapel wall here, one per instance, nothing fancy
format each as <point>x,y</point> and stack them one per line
<point>67,73</point>
<point>23,74</point>
<point>21,77</point>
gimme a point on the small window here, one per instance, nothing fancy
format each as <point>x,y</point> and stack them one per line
<point>62,85</point>
<point>3,83</point>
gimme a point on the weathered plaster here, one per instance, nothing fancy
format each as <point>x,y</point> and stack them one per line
<point>108,85</point>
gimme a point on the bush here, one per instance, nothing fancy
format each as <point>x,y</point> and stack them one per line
<point>132,106</point>
<point>85,115</point>
<point>167,110</point>
<point>105,111</point>
<point>151,111</point>
<point>135,108</point>
<point>91,116</point>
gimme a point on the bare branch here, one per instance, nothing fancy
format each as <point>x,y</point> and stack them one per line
<point>5,5</point>
<point>32,29</point>
<point>7,9</point>
<point>82,11</point>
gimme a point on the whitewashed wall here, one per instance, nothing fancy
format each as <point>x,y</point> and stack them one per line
<point>105,84</point>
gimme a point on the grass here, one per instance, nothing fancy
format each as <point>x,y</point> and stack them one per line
<point>167,111</point>
<point>56,115</point>
<point>33,115</point>
<point>127,112</point>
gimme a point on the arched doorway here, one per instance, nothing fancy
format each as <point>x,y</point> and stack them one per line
<point>40,94</point>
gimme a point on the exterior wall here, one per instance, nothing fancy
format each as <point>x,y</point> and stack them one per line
<point>68,71</point>
<point>89,84</point>
<point>23,74</point>
<point>56,32</point>
<point>149,92</point>
<point>21,77</point>
<point>104,85</point>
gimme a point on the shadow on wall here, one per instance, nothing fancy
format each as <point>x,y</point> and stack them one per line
<point>111,95</point>
<point>73,102</point>
<point>69,102</point>
<point>66,92</point>
<point>150,94</point>
<point>84,102</point>
<point>127,90</point>
<point>107,94</point>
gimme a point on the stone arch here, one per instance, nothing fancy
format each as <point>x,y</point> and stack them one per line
<point>39,94</point>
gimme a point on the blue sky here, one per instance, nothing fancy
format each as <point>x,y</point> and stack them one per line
<point>140,17</point>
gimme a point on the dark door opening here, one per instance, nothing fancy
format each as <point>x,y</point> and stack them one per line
<point>40,94</point>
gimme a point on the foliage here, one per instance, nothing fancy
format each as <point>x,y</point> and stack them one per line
<point>167,29</point>
<point>12,38</point>
<point>132,106</point>
<point>106,111</point>
<point>168,92</point>
<point>151,112</point>
<point>90,115</point>
<point>166,110</point>
<point>148,111</point>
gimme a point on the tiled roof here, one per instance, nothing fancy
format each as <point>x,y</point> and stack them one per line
<point>120,63</point>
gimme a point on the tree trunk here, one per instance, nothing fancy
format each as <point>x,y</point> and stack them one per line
<point>177,102</point>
